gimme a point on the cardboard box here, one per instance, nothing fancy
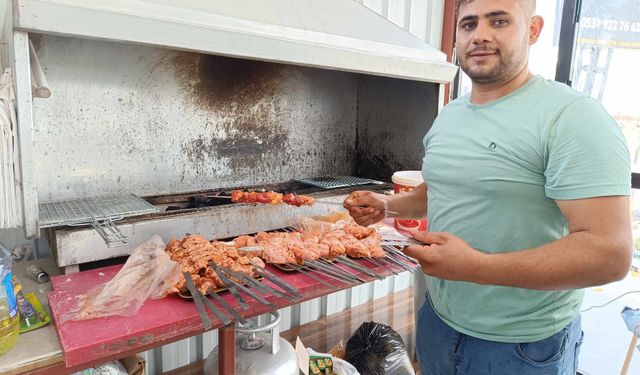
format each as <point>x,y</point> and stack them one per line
<point>315,364</point>
<point>134,364</point>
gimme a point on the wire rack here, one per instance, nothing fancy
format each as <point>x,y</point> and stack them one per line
<point>337,182</point>
<point>79,211</point>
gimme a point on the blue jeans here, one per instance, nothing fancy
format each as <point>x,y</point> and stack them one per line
<point>444,351</point>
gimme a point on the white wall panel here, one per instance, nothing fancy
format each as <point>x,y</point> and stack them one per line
<point>310,311</point>
<point>399,12</point>
<point>337,302</point>
<point>209,342</point>
<point>179,354</point>
<point>382,287</point>
<point>422,18</point>
<point>379,6</point>
<point>419,21</point>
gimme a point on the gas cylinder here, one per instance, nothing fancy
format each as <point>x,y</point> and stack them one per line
<point>259,351</point>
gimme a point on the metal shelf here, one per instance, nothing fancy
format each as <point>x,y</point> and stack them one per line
<point>338,182</point>
<point>100,213</point>
<point>81,211</point>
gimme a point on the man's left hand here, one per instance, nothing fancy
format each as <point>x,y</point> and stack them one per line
<point>446,256</point>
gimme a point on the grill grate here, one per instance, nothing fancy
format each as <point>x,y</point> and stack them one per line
<point>338,182</point>
<point>79,211</point>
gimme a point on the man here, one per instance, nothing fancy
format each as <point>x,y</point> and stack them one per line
<point>526,191</point>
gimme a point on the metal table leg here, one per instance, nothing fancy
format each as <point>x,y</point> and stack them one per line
<point>227,350</point>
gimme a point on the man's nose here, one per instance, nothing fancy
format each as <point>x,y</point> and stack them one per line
<point>483,33</point>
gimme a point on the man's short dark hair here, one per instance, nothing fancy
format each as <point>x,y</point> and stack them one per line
<point>459,3</point>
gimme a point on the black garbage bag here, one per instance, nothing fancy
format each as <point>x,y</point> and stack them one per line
<point>376,349</point>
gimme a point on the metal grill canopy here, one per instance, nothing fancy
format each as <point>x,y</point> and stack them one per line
<point>331,34</point>
<point>79,211</point>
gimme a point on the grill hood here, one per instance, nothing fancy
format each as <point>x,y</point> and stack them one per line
<point>331,34</point>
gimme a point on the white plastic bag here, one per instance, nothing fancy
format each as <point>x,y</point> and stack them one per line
<point>147,273</point>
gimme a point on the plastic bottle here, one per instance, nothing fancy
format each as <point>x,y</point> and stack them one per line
<point>9,318</point>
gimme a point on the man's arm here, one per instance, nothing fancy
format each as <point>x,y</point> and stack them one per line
<point>367,207</point>
<point>597,251</point>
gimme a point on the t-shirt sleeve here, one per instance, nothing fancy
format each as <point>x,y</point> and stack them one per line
<point>587,154</point>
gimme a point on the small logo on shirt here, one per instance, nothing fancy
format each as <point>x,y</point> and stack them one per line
<point>492,146</point>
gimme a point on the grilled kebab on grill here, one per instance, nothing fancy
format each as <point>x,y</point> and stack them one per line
<point>271,197</point>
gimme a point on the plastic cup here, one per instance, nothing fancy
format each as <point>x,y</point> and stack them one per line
<point>404,181</point>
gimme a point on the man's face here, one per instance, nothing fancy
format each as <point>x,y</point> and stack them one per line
<point>492,40</point>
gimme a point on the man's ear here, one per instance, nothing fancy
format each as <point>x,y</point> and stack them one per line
<point>535,28</point>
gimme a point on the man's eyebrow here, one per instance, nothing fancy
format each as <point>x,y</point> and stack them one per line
<point>495,13</point>
<point>468,18</point>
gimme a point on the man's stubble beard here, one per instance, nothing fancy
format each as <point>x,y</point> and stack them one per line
<point>506,68</point>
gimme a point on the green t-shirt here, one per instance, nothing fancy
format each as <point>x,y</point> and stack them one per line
<point>493,172</point>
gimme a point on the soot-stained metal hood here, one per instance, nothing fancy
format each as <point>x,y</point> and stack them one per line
<point>331,34</point>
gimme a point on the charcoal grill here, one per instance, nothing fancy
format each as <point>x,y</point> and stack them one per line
<point>202,212</point>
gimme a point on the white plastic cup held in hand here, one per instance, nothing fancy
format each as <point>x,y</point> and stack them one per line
<point>404,181</point>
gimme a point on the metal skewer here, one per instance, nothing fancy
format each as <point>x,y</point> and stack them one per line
<point>330,267</point>
<point>400,264</point>
<point>257,284</point>
<point>392,262</point>
<point>250,281</point>
<point>400,254</point>
<point>277,281</point>
<point>376,262</point>
<point>311,275</point>
<point>343,275</point>
<point>195,294</point>
<point>350,263</point>
<point>401,243</point>
<point>347,270</point>
<point>230,286</point>
<point>327,274</point>
<point>223,318</point>
<point>226,306</point>
<point>255,296</point>
<point>228,281</point>
<point>332,203</point>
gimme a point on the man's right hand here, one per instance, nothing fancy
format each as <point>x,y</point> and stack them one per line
<point>366,207</point>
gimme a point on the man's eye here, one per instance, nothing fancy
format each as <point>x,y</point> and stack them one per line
<point>500,22</point>
<point>468,26</point>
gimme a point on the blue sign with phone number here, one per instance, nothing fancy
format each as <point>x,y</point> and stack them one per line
<point>614,23</point>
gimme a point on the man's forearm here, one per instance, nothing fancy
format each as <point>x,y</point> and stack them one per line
<point>411,204</point>
<point>579,260</point>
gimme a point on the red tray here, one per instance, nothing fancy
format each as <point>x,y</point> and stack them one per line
<point>158,322</point>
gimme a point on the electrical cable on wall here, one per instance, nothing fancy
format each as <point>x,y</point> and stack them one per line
<point>610,302</point>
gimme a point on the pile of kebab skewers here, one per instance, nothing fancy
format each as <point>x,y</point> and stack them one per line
<point>328,252</point>
<point>210,266</point>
